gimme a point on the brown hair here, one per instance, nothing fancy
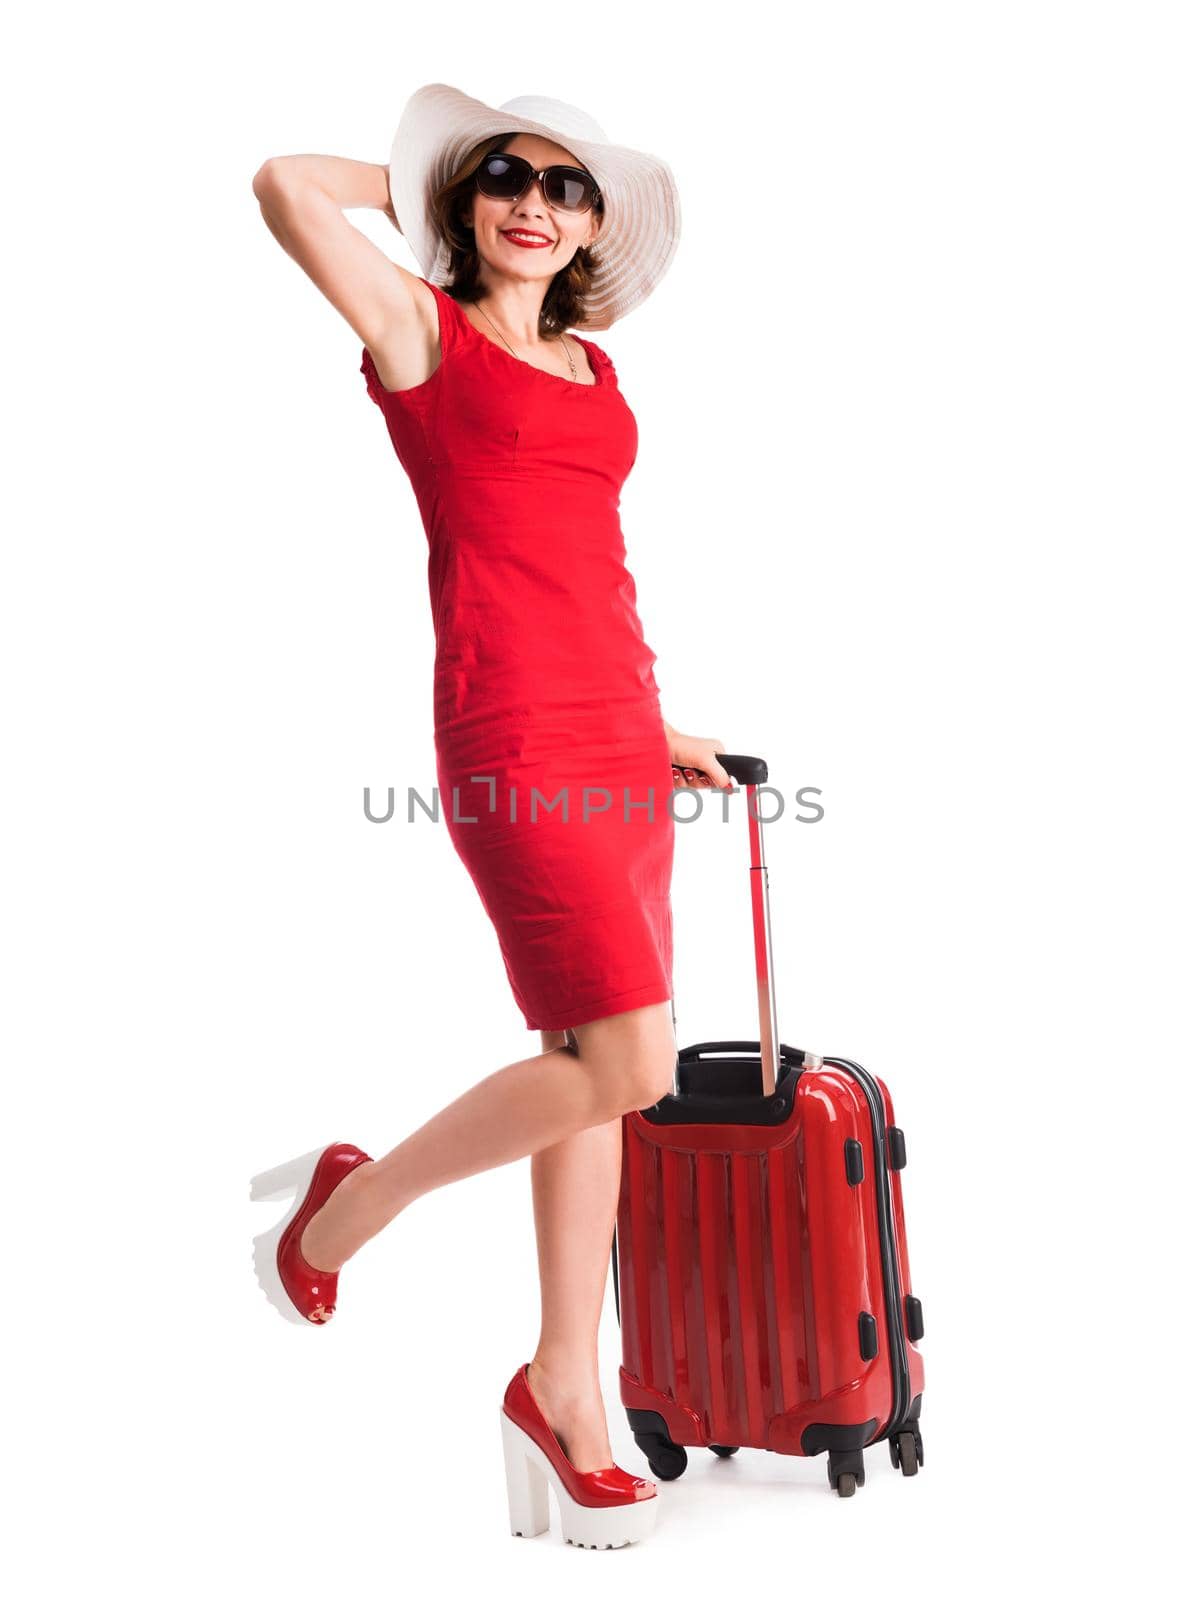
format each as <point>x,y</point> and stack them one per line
<point>563,304</point>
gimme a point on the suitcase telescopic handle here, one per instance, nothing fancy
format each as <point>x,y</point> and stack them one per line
<point>752,771</point>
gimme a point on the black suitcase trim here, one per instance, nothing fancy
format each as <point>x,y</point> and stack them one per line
<point>720,1088</point>
<point>889,1255</point>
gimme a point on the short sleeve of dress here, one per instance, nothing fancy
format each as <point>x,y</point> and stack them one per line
<point>603,362</point>
<point>376,388</point>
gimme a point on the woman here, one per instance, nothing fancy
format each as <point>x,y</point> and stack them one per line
<point>517,440</point>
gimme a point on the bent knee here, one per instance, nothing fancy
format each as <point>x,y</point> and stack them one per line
<point>632,1056</point>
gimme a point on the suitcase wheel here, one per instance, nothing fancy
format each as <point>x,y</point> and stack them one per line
<point>907,1451</point>
<point>667,1460</point>
<point>724,1449</point>
<point>845,1469</point>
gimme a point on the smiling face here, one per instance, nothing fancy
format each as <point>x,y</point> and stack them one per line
<point>531,214</point>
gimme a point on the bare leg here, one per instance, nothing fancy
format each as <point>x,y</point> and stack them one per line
<point>521,1108</point>
<point>575,1201</point>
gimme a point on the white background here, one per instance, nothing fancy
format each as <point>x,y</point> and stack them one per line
<point>902,522</point>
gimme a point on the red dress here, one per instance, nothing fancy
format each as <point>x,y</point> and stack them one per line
<point>553,767</point>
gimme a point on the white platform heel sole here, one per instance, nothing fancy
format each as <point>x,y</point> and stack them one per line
<point>530,1473</point>
<point>292,1178</point>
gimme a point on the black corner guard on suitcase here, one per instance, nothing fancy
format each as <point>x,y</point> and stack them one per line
<point>746,769</point>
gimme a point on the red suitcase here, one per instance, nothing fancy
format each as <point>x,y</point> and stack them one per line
<point>761,1273</point>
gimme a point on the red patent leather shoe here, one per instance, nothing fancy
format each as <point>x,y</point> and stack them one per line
<point>292,1285</point>
<point>600,1510</point>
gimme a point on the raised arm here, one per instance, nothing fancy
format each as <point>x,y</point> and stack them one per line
<point>303,200</point>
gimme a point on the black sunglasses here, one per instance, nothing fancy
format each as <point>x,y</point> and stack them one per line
<point>506,177</point>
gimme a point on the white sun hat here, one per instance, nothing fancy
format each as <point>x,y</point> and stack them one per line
<point>640,227</point>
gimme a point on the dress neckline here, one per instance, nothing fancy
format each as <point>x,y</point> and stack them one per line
<point>574,383</point>
<point>571,383</point>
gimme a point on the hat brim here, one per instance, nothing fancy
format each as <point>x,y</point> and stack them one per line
<point>640,227</point>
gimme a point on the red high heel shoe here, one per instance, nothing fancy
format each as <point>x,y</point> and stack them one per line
<point>602,1509</point>
<point>292,1285</point>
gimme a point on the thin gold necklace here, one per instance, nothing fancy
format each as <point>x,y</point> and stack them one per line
<point>560,336</point>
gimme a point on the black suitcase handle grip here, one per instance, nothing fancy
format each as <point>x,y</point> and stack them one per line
<point>746,769</point>
<point>731,1047</point>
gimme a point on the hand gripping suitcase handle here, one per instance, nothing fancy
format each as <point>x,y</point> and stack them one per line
<point>752,771</point>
